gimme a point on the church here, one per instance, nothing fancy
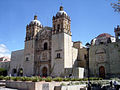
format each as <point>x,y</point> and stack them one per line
<point>104,55</point>
<point>50,51</point>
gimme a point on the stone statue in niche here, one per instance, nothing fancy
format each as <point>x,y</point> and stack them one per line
<point>44,56</point>
<point>101,58</point>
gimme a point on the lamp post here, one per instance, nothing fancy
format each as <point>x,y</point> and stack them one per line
<point>88,46</point>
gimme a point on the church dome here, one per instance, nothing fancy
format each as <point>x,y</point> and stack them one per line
<point>104,35</point>
<point>61,12</point>
<point>103,39</point>
<point>35,21</point>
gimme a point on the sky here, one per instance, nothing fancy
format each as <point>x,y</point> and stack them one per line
<point>89,18</point>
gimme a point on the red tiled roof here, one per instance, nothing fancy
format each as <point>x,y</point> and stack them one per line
<point>104,35</point>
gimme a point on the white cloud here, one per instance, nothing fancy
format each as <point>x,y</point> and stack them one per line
<point>4,51</point>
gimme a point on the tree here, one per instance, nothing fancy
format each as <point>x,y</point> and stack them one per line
<point>116,6</point>
<point>3,72</point>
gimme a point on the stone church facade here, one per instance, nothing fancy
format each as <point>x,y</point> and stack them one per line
<point>50,51</point>
<point>104,55</point>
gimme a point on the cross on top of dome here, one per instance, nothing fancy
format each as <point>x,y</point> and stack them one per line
<point>61,8</point>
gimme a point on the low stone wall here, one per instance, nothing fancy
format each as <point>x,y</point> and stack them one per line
<point>28,85</point>
<point>21,85</point>
<point>71,87</point>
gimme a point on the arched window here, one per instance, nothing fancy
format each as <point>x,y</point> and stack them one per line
<point>58,55</point>
<point>20,72</point>
<point>58,27</point>
<point>27,59</point>
<point>45,46</point>
<point>14,72</point>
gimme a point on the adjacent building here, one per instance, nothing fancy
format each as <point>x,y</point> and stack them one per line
<point>5,64</point>
<point>104,55</point>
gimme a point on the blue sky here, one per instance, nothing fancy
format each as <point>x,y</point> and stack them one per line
<point>89,18</point>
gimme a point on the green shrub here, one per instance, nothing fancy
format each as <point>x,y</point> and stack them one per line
<point>40,79</point>
<point>11,78</point>
<point>15,78</point>
<point>35,79</point>
<point>25,78</point>
<point>95,78</point>
<point>3,71</point>
<point>7,78</point>
<point>48,79</point>
<point>43,79</point>
<point>28,78</point>
<point>1,77</point>
<point>58,79</point>
<point>85,79</point>
<point>66,79</point>
<point>22,78</point>
<point>74,79</point>
<point>80,79</point>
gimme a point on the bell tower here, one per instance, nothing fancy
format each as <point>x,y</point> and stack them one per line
<point>61,53</point>
<point>117,33</point>
<point>30,41</point>
<point>61,22</point>
<point>32,29</point>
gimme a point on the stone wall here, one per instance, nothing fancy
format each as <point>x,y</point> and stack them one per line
<point>72,87</point>
<point>28,85</point>
<point>74,56</point>
<point>29,57</point>
<point>17,59</point>
<point>57,64</point>
<point>106,56</point>
<point>78,72</point>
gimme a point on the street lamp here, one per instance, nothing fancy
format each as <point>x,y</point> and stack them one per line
<point>88,47</point>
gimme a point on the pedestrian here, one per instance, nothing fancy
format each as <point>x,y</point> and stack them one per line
<point>111,84</point>
<point>115,84</point>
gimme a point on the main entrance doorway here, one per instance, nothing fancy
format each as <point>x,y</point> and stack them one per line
<point>44,72</point>
<point>102,72</point>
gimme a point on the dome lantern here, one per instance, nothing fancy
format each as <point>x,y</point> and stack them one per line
<point>61,12</point>
<point>35,21</point>
<point>35,17</point>
<point>61,8</point>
